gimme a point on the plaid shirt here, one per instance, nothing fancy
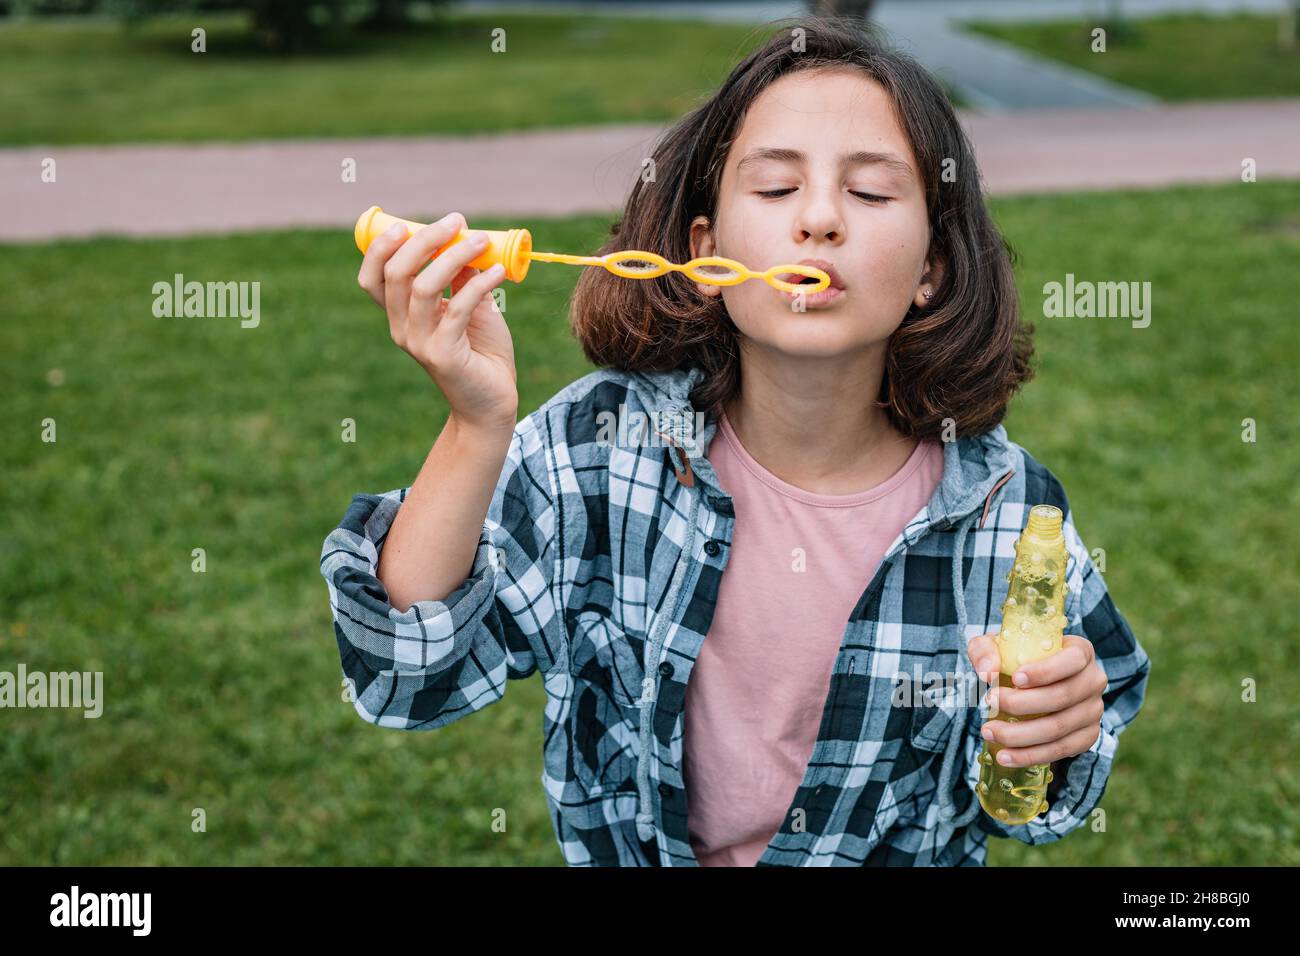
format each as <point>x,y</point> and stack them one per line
<point>598,565</point>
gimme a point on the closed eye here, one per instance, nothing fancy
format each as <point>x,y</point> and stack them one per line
<point>865,197</point>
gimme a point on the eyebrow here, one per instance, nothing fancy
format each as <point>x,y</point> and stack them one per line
<point>857,158</point>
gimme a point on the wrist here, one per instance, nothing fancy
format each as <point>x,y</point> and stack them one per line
<point>486,436</point>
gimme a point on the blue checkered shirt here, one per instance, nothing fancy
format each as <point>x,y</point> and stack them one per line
<point>598,567</point>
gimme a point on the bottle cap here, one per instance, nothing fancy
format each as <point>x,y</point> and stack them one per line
<point>1044,521</point>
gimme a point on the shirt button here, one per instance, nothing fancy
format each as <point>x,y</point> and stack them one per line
<point>711,547</point>
<point>665,790</point>
<point>666,669</point>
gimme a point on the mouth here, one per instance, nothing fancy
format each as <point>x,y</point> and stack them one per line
<point>826,267</point>
<point>813,299</point>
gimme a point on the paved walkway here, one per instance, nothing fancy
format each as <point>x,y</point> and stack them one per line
<point>994,76</point>
<point>170,190</point>
<point>991,75</point>
<point>1109,140</point>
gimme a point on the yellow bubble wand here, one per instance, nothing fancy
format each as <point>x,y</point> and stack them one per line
<point>513,249</point>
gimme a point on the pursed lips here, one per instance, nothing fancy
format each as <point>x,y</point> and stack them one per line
<point>836,281</point>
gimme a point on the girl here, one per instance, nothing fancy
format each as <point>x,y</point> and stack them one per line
<point>824,488</point>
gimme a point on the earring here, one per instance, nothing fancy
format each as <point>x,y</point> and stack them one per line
<point>929,294</point>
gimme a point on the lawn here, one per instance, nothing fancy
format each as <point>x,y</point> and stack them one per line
<point>94,81</point>
<point>1184,57</point>
<point>222,688</point>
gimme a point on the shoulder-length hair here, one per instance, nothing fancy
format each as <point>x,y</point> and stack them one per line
<point>955,362</point>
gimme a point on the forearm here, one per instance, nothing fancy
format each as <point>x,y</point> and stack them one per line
<point>430,548</point>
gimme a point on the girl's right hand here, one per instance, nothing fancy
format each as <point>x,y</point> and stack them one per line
<point>462,342</point>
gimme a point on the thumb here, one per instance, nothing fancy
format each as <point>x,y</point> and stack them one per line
<point>983,653</point>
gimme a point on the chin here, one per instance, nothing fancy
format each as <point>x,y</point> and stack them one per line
<point>818,334</point>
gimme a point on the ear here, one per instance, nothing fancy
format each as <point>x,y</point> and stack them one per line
<point>702,245</point>
<point>928,283</point>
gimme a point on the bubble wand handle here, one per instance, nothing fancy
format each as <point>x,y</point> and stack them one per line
<point>509,247</point>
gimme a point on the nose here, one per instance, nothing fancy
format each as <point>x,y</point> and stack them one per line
<point>819,218</point>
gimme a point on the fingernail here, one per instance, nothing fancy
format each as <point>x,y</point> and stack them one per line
<point>1004,758</point>
<point>986,733</point>
<point>1021,678</point>
<point>395,230</point>
<point>448,219</point>
<point>497,270</point>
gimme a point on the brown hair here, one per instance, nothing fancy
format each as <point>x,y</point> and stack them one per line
<point>961,357</point>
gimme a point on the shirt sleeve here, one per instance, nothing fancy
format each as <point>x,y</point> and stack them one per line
<point>438,661</point>
<point>1080,781</point>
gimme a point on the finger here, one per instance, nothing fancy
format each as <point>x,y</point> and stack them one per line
<point>430,284</point>
<point>439,274</point>
<point>1068,746</point>
<point>463,303</point>
<point>983,653</point>
<point>442,270</point>
<point>1100,678</point>
<point>1044,729</point>
<point>1075,654</point>
<point>424,242</point>
<point>1047,699</point>
<point>461,277</point>
<point>380,250</point>
<point>403,266</point>
<point>425,310</point>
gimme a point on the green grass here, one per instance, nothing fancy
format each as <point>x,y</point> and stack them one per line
<point>96,82</point>
<point>1183,57</point>
<point>223,688</point>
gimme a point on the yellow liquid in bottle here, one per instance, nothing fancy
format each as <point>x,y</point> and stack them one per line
<point>1033,622</point>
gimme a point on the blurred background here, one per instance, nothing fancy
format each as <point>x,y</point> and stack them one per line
<point>168,480</point>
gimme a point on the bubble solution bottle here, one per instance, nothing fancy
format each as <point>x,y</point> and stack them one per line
<point>1033,623</point>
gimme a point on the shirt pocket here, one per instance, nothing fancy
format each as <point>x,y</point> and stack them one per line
<point>604,726</point>
<point>943,694</point>
<point>607,658</point>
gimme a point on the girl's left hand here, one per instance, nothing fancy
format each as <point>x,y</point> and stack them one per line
<point>1064,689</point>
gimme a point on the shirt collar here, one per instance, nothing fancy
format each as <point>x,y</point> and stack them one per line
<point>972,465</point>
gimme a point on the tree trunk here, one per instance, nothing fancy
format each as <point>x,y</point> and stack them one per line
<point>286,26</point>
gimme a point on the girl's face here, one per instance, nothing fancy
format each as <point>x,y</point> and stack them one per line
<point>842,186</point>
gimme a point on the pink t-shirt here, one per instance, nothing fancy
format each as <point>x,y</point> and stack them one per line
<point>799,563</point>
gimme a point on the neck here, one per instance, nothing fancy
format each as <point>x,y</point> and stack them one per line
<point>810,421</point>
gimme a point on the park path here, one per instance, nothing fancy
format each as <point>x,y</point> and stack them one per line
<point>218,188</point>
<point>991,75</point>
